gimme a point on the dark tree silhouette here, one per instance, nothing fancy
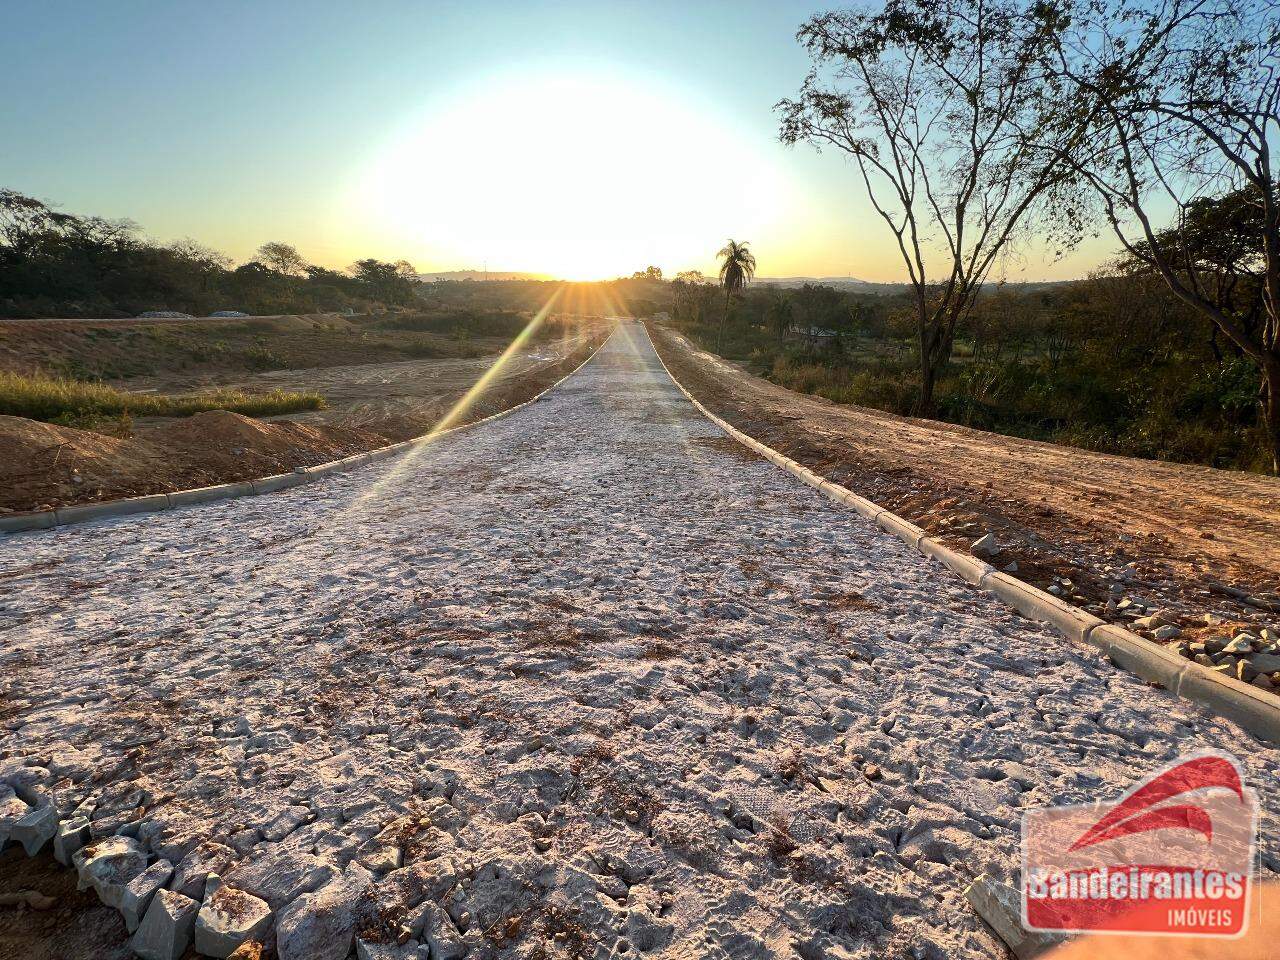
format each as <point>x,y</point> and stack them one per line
<point>737,269</point>
<point>930,98</point>
<point>1184,104</point>
<point>282,258</point>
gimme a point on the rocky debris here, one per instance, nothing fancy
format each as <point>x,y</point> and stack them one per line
<point>280,876</point>
<point>165,932</point>
<point>369,950</point>
<point>37,828</point>
<point>1261,600</point>
<point>228,918</point>
<point>73,833</point>
<point>139,891</point>
<point>106,866</point>
<point>440,934</point>
<point>1001,907</point>
<point>321,925</point>
<point>286,822</point>
<point>1264,662</point>
<point>249,950</point>
<point>381,859</point>
<point>12,810</point>
<point>206,858</point>
<point>1250,654</point>
<point>985,546</point>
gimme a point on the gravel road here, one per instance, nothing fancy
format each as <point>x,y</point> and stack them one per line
<point>592,678</point>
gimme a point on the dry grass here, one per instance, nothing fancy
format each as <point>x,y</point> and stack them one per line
<point>850,601</point>
<point>778,839</point>
<point>42,397</point>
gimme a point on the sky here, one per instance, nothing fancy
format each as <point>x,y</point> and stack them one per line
<point>580,140</point>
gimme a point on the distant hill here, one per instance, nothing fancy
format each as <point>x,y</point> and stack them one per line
<point>840,283</point>
<point>853,284</point>
<point>480,275</point>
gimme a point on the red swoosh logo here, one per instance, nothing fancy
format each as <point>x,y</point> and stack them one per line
<point>1127,817</point>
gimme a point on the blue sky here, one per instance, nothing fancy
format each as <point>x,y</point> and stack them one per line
<point>381,128</point>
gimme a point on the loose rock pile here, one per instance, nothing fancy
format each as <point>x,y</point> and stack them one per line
<point>1249,654</point>
<point>1247,651</point>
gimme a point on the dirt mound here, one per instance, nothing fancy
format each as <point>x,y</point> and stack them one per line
<point>50,466</point>
<point>45,464</point>
<point>23,439</point>
<point>225,431</point>
<point>227,441</point>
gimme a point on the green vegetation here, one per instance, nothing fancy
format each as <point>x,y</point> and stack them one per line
<point>1115,363</point>
<point>62,400</point>
<point>55,264</point>
<point>459,324</point>
<point>973,125</point>
<point>737,269</point>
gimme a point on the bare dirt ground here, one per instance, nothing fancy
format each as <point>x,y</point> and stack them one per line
<point>369,405</point>
<point>186,354</point>
<point>390,398</point>
<point>76,927</point>
<point>1119,536</point>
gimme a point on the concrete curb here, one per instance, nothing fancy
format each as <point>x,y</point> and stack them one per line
<point>1255,710</point>
<point>152,503</point>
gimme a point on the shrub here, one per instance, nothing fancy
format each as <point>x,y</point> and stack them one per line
<point>261,357</point>
<point>41,397</point>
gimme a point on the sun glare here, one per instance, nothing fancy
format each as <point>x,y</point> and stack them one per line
<point>580,178</point>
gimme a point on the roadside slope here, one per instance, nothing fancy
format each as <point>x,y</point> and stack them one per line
<point>1162,532</point>
<point>54,466</point>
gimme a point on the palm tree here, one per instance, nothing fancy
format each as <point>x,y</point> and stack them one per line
<point>737,268</point>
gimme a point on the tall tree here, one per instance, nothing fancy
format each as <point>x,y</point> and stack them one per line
<point>690,293</point>
<point>930,98</point>
<point>737,269</point>
<point>1184,97</point>
<point>282,258</point>
<point>778,314</point>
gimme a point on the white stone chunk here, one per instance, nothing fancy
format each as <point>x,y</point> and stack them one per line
<point>36,829</point>
<point>73,833</point>
<point>229,917</point>
<point>108,865</point>
<point>165,932</point>
<point>138,892</point>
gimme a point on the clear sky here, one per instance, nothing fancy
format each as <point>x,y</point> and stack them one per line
<point>576,139</point>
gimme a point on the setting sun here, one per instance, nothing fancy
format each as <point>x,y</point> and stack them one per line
<point>578,177</point>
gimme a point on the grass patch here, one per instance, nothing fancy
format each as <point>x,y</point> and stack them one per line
<point>42,397</point>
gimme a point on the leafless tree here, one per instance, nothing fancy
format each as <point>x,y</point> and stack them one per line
<point>932,99</point>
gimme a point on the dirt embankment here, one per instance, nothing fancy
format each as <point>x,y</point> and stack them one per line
<point>46,465</point>
<point>189,354</point>
<point>1121,537</point>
